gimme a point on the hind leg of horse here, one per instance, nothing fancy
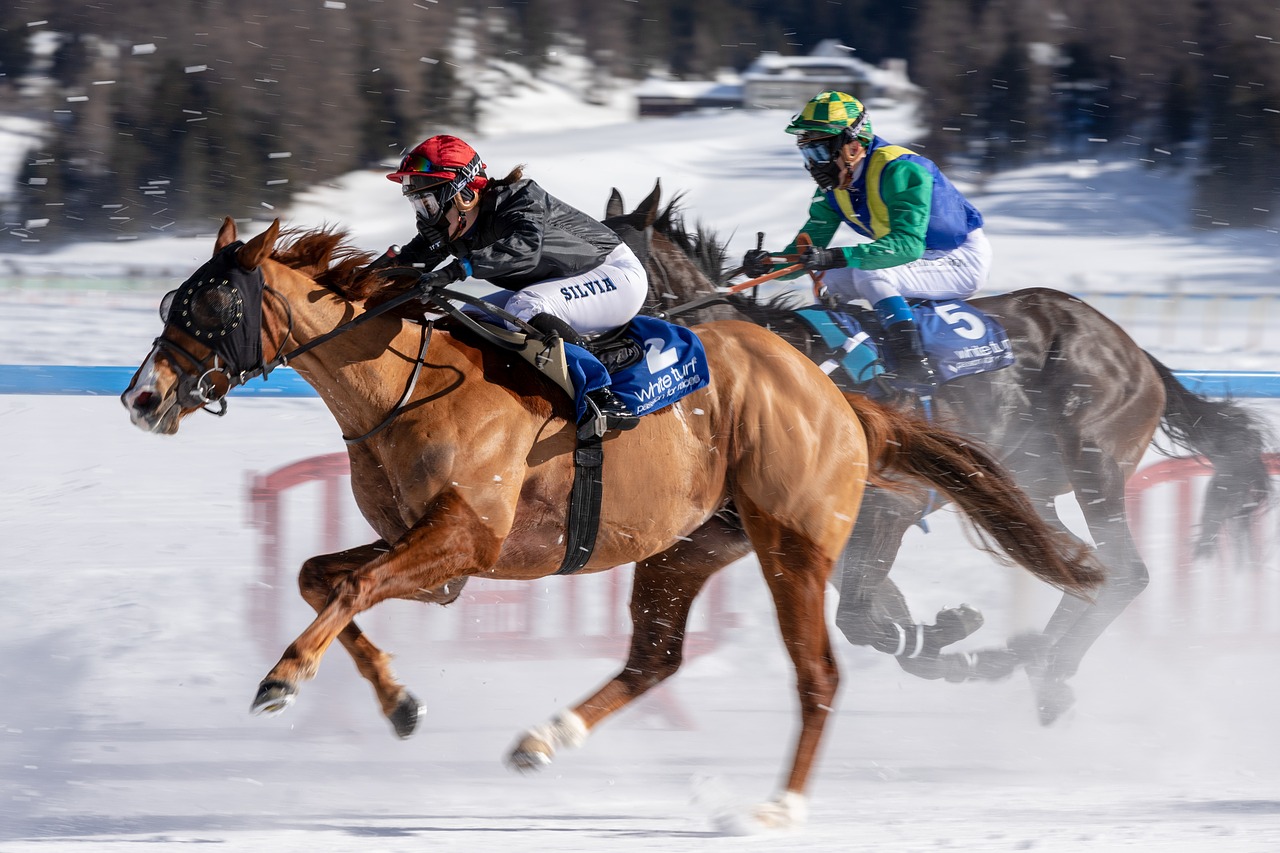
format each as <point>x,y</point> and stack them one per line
<point>796,571</point>
<point>442,546</point>
<point>662,594</point>
<point>317,580</point>
<point>1077,624</point>
<point>872,610</point>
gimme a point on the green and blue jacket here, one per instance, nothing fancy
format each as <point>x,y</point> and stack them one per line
<point>901,201</point>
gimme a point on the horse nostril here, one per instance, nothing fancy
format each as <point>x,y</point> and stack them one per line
<point>146,401</point>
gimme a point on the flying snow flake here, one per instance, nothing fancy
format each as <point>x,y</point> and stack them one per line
<point>279,155</point>
<point>192,69</point>
<point>428,60</point>
<point>36,23</point>
<point>37,182</point>
<point>334,4</point>
<point>277,182</point>
<point>103,82</point>
<point>77,98</point>
<point>140,49</point>
<point>36,223</point>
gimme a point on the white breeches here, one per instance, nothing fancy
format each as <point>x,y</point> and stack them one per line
<point>938,275</point>
<point>592,302</point>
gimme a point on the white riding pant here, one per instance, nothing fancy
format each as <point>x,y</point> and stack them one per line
<point>592,302</point>
<point>956,274</point>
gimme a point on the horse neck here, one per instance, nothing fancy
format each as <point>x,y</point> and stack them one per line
<point>361,373</point>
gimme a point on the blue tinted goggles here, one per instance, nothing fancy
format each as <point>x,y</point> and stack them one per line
<point>821,151</point>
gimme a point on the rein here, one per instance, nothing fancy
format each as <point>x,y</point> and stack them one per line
<point>802,242</point>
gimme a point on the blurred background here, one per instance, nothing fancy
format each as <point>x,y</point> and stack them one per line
<point>138,117</point>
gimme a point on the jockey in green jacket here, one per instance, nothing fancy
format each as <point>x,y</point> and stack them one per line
<point>924,240</point>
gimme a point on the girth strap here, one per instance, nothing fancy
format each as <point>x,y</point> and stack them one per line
<point>584,505</point>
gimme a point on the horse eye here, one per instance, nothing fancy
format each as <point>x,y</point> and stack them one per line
<point>166,303</point>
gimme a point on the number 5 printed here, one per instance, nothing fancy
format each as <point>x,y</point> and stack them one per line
<point>965,324</point>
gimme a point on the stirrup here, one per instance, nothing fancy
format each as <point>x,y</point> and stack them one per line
<point>594,424</point>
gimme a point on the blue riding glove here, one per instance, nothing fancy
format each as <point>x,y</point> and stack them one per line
<point>816,259</point>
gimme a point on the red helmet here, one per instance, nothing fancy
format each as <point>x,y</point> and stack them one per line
<point>436,172</point>
<point>440,160</point>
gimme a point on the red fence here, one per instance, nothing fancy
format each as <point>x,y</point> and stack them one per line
<point>1234,591</point>
<point>586,616</point>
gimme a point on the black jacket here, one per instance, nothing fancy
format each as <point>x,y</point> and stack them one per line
<point>523,235</point>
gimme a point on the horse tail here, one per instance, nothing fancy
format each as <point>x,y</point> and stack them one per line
<point>1233,440</point>
<point>1001,514</point>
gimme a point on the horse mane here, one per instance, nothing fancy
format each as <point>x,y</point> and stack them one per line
<point>702,245</point>
<point>326,256</point>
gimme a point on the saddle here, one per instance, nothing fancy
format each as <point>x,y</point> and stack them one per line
<point>651,363</point>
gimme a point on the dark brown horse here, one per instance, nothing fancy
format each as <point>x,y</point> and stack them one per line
<point>1076,413</point>
<point>473,476</point>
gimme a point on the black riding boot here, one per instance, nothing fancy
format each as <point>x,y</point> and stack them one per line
<point>605,410</point>
<point>907,362</point>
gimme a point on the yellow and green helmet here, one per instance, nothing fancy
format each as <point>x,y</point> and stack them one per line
<point>835,113</point>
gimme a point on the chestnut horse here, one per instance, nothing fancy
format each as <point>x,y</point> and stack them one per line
<point>472,476</point>
<point>1075,413</point>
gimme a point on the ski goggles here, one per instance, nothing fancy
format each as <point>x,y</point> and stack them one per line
<point>821,151</point>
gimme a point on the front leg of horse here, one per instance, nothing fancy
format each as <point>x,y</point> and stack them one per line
<point>316,582</point>
<point>426,558</point>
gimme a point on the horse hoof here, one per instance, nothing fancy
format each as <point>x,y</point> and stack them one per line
<point>1053,699</point>
<point>956,623</point>
<point>273,697</point>
<point>404,717</point>
<point>530,755</point>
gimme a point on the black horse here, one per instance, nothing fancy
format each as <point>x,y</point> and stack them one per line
<point>1075,413</point>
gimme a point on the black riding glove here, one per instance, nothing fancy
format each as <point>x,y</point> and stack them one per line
<point>442,277</point>
<point>757,262</point>
<point>389,258</point>
<point>816,259</point>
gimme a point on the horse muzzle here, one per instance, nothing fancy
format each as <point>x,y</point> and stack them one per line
<point>153,411</point>
<point>154,405</point>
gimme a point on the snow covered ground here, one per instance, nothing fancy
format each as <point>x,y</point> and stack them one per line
<point>134,641</point>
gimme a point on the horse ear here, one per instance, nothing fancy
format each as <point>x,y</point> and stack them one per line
<point>615,206</point>
<point>257,250</point>
<point>226,235</point>
<point>648,209</point>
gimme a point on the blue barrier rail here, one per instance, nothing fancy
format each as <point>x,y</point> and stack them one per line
<point>80,380</point>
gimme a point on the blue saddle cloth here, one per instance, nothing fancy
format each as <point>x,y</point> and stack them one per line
<point>959,339</point>
<point>674,365</point>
